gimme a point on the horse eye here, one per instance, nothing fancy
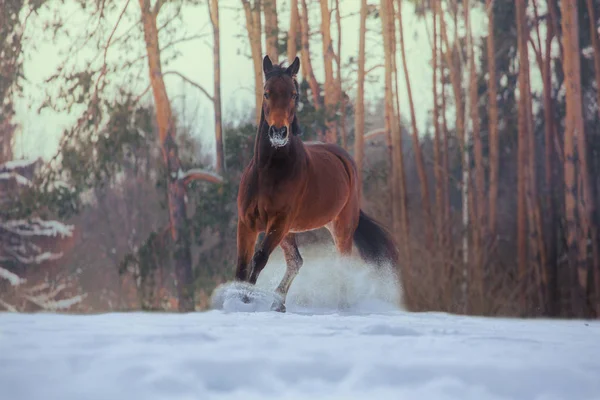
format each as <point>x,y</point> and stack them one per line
<point>266,95</point>
<point>294,96</point>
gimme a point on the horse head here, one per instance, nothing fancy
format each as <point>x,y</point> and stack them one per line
<point>280,100</point>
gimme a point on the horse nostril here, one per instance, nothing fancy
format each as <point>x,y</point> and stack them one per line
<point>272,130</point>
<point>283,131</point>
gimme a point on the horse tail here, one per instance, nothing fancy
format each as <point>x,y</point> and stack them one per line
<point>375,244</point>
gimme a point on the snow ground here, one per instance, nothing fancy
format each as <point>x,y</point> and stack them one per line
<point>317,350</point>
<point>219,355</point>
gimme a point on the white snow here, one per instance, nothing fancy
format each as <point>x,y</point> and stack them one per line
<point>20,179</point>
<point>37,227</point>
<point>12,278</point>
<point>217,355</point>
<point>10,165</point>
<point>338,340</point>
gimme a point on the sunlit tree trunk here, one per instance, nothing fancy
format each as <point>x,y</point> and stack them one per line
<point>359,107</point>
<point>416,144</point>
<point>271,29</point>
<point>493,120</point>
<point>254,28</point>
<point>305,60</point>
<point>214,18</point>
<point>293,40</point>
<point>331,100</point>
<point>340,91</point>
<point>399,213</point>
<point>573,133</point>
<point>176,189</point>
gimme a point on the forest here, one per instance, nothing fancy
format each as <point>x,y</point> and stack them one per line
<point>491,189</point>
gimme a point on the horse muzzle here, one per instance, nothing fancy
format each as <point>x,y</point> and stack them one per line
<point>279,137</point>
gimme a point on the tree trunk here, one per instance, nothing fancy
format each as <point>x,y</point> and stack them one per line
<point>595,47</point>
<point>176,189</point>
<point>399,213</point>
<point>522,213</point>
<point>253,26</point>
<point>416,144</point>
<point>573,133</point>
<point>437,161</point>
<point>478,204</point>
<point>271,29</point>
<point>306,64</point>
<point>493,120</point>
<point>331,100</point>
<point>594,226</point>
<point>550,265</point>
<point>340,91</point>
<point>359,113</point>
<point>213,9</point>
<point>293,37</point>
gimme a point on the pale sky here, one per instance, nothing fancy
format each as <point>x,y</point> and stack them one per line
<point>40,133</point>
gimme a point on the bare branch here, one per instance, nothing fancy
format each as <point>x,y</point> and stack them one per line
<point>373,68</point>
<point>199,174</point>
<point>375,132</point>
<point>191,82</point>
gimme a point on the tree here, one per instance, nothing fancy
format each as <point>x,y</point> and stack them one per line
<point>176,180</point>
<point>493,120</point>
<point>574,134</point>
<point>213,9</point>
<point>331,98</point>
<point>416,145</point>
<point>359,112</point>
<point>293,40</point>
<point>400,222</point>
<point>254,28</point>
<point>28,241</point>
<point>305,59</point>
<point>271,29</point>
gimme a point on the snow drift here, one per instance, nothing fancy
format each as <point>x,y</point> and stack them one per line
<point>326,283</point>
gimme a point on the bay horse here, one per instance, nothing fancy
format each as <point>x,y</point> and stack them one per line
<point>290,186</point>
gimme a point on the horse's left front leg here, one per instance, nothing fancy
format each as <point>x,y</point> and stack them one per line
<point>275,233</point>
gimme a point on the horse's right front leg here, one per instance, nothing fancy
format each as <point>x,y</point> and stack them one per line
<point>246,239</point>
<point>274,234</point>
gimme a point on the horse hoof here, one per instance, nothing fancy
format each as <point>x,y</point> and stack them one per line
<point>245,299</point>
<point>279,307</point>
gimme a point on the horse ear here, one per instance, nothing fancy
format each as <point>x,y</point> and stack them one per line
<point>267,64</point>
<point>294,68</point>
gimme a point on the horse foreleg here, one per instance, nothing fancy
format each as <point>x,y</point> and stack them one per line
<point>273,237</point>
<point>246,239</point>
<point>293,261</point>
